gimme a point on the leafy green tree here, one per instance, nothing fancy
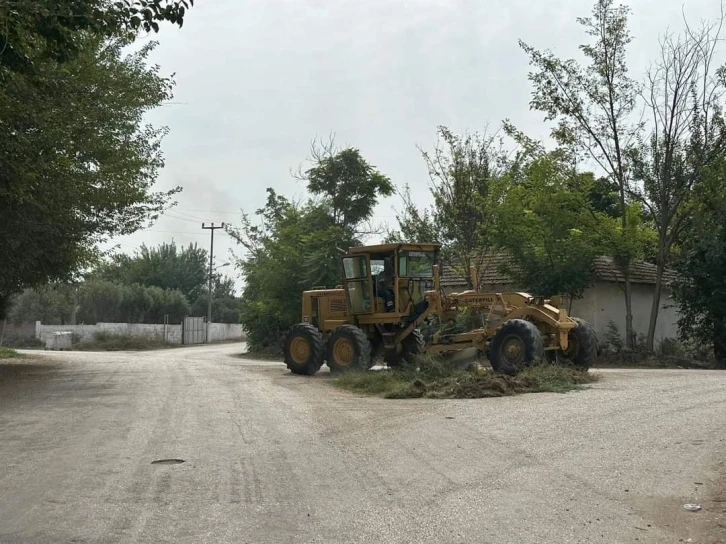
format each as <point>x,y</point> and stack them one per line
<point>225,305</point>
<point>52,304</point>
<point>295,246</point>
<point>551,228</point>
<point>100,302</point>
<point>347,182</point>
<point>592,107</point>
<point>47,29</point>
<point>165,266</point>
<point>76,163</point>
<point>277,267</point>
<point>464,173</point>
<point>700,288</point>
<point>108,302</point>
<point>135,304</point>
<point>169,302</point>
<point>345,190</point>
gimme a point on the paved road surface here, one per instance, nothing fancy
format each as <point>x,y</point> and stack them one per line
<point>271,457</point>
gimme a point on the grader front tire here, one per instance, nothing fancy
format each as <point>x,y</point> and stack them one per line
<point>516,345</point>
<point>348,349</point>
<point>304,349</point>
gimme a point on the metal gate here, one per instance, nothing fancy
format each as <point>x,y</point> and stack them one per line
<point>193,331</point>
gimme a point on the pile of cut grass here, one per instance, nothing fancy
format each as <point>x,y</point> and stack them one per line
<point>438,380</point>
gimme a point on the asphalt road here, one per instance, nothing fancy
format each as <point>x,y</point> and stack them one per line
<point>271,457</point>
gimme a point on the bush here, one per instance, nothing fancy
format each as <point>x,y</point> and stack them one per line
<point>670,347</point>
<point>106,341</point>
<point>7,353</point>
<point>22,342</point>
<point>613,339</point>
<point>167,302</point>
<point>100,301</point>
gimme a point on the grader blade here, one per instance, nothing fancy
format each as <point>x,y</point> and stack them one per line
<point>463,359</point>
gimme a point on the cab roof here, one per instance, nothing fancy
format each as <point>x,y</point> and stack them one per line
<point>381,248</point>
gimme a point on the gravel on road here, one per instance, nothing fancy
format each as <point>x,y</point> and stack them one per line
<point>272,457</point>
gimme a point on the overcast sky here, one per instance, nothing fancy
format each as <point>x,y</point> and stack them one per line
<point>257,80</point>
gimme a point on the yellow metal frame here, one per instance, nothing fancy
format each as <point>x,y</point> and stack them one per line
<point>327,309</point>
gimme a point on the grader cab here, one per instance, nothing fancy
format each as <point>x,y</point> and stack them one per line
<point>390,290</point>
<point>387,293</point>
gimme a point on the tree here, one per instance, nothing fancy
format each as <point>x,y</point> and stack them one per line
<point>685,135</point>
<point>274,266</point>
<point>164,266</point>
<point>700,288</point>
<point>348,183</point>
<point>592,107</point>
<point>550,228</point>
<point>77,165</point>
<point>414,225</point>
<point>225,305</point>
<point>100,301</point>
<point>53,304</point>
<point>463,172</point>
<point>136,303</point>
<point>295,246</point>
<point>47,29</point>
<point>167,302</point>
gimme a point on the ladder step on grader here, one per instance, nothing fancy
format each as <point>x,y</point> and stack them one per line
<point>390,290</point>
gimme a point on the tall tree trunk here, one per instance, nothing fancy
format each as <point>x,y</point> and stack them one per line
<point>655,307</point>
<point>625,268</point>
<point>629,335</point>
<point>4,303</point>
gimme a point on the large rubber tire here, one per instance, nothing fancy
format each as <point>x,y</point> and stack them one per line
<point>412,346</point>
<point>582,345</point>
<point>348,349</point>
<point>516,344</point>
<point>304,349</point>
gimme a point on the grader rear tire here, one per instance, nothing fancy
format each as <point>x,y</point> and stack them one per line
<point>412,346</point>
<point>517,344</point>
<point>582,345</point>
<point>348,349</point>
<point>304,349</point>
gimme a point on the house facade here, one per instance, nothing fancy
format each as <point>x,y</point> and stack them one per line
<point>602,303</point>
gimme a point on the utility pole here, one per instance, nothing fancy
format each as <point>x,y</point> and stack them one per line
<point>211,228</point>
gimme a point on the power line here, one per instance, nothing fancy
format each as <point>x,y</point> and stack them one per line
<point>167,214</point>
<point>238,212</point>
<point>175,232</point>
<point>178,212</point>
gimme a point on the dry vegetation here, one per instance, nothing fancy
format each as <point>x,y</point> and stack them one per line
<point>104,341</point>
<point>437,379</point>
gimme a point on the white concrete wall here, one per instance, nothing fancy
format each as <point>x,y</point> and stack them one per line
<point>218,331</point>
<point>605,302</point>
<point>139,330</point>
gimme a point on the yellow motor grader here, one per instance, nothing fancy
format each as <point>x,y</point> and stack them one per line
<point>389,290</point>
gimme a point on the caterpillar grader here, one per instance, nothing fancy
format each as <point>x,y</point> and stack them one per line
<point>390,290</point>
